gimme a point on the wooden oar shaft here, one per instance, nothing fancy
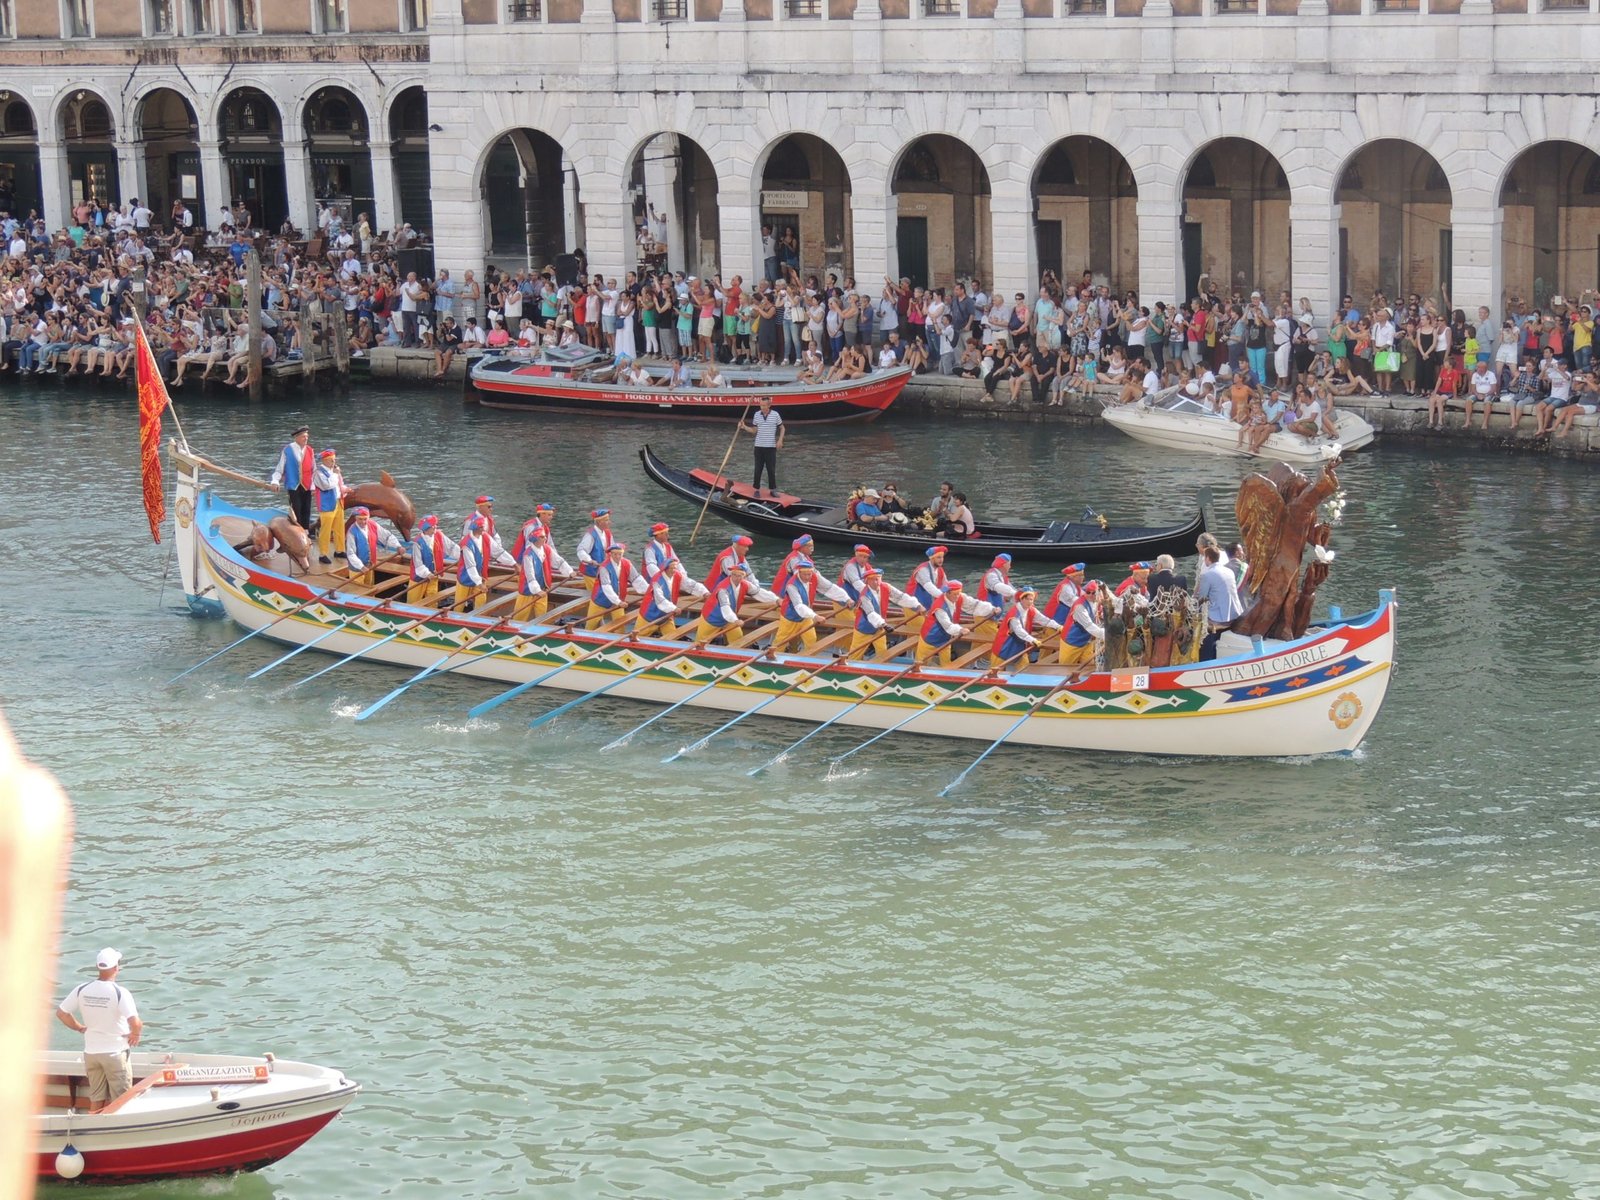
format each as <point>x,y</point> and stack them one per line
<point>732,442</point>
<point>208,465</point>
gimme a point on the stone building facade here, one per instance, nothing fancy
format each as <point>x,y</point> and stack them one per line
<point>1319,147</point>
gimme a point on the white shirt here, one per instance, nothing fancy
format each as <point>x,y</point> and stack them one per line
<point>104,1007</point>
<point>1485,382</point>
<point>766,427</point>
<point>410,293</point>
<point>1152,382</point>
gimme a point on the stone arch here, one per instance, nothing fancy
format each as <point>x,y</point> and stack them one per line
<point>407,119</point>
<point>21,188</point>
<point>211,118</point>
<point>1235,206</point>
<point>1549,201</point>
<point>168,126</point>
<point>250,131</point>
<point>86,123</point>
<point>943,207</point>
<point>803,189</point>
<point>1084,200</point>
<point>672,212</point>
<point>1394,216</point>
<point>521,184</point>
<point>337,125</point>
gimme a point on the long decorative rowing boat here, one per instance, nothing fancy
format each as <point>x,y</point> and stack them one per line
<point>210,1114</point>
<point>783,516</point>
<point>517,383</point>
<point>1314,694</point>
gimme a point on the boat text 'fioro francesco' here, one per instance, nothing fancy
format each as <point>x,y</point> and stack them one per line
<point>1314,694</point>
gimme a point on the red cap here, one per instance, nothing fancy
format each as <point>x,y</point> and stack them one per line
<point>484,500</point>
<point>327,454</point>
<point>863,549</point>
<point>741,540</point>
<point>660,527</point>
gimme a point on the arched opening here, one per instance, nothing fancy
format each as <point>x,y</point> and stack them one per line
<point>805,202</point>
<point>251,131</point>
<point>408,135</point>
<point>1236,220</point>
<point>674,194</point>
<point>171,137</point>
<point>1085,216</point>
<point>1394,224</point>
<point>337,134</point>
<point>20,186</point>
<point>942,227</point>
<point>524,205</point>
<point>1550,224</point>
<point>88,133</point>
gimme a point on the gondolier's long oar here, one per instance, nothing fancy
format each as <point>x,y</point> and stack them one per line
<point>327,633</point>
<point>995,745</point>
<point>709,489</point>
<point>749,712</point>
<point>699,691</point>
<point>615,683</point>
<point>495,702</point>
<point>986,677</point>
<point>433,668</point>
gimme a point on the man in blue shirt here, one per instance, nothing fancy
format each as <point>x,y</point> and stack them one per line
<point>1219,592</point>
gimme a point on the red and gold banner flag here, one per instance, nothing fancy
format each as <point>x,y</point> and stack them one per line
<point>153,401</point>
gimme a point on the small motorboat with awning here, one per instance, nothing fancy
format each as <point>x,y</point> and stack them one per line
<point>580,381</point>
<point>781,515</point>
<point>1174,421</point>
<point>186,1114</point>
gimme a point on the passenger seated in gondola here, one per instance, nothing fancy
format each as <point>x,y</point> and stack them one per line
<point>890,501</point>
<point>867,513</point>
<point>962,523</point>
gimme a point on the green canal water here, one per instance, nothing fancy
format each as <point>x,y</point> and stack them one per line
<point>562,973</point>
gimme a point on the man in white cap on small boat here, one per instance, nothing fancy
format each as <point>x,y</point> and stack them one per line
<point>608,596</point>
<point>872,614</point>
<point>797,613</point>
<point>657,615</point>
<point>540,566</point>
<point>104,1012</point>
<point>431,552</point>
<point>363,543</point>
<point>1020,628</point>
<point>720,619</point>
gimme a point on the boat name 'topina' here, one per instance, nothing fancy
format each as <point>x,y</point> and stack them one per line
<point>1261,668</point>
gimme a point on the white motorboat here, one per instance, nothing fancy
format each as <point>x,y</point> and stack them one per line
<point>1176,422</point>
<point>188,1114</point>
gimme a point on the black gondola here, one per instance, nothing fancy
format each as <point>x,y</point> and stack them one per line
<point>787,517</point>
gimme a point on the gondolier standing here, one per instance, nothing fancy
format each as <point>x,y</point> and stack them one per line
<point>296,472</point>
<point>109,1021</point>
<point>768,428</point>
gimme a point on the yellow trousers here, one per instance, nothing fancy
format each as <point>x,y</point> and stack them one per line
<point>1081,657</point>
<point>707,633</point>
<point>664,628</point>
<point>330,531</point>
<point>926,653</point>
<point>362,578</point>
<point>468,597</point>
<point>805,632</point>
<point>878,642</point>
<point>598,613</point>
<point>983,631</point>
<point>531,608</point>
<point>423,591</point>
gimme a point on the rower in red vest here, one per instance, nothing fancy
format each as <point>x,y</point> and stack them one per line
<point>873,600</point>
<point>658,551</point>
<point>1139,579</point>
<point>797,614</point>
<point>928,581</point>
<point>800,548</point>
<point>1060,602</point>
<point>484,510</point>
<point>657,615</point>
<point>431,552</point>
<point>734,552</point>
<point>363,544</point>
<point>608,596</point>
<point>538,569</point>
<point>472,568</point>
<point>941,626</point>
<point>595,543</point>
<point>1081,641</point>
<point>853,577</point>
<point>720,617</point>
<point>1016,632</point>
<point>543,517</point>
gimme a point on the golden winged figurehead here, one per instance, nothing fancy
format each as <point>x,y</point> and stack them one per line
<point>1277,514</point>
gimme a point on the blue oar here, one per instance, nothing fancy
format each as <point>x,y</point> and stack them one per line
<point>995,745</point>
<point>988,677</point>
<point>601,691</point>
<point>383,641</point>
<point>513,693</point>
<point>434,667</point>
<point>793,746</point>
<point>699,691</point>
<point>749,712</point>
<point>299,608</point>
<point>304,646</point>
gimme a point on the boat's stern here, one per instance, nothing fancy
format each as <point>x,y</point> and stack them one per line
<point>201,597</point>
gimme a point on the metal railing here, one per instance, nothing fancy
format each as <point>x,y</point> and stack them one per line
<point>1086,8</point>
<point>524,10</point>
<point>1224,7</point>
<point>941,8</point>
<point>1395,6</point>
<point>1564,6</point>
<point>801,10</point>
<point>670,10</point>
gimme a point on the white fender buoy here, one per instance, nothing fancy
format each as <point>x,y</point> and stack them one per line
<point>69,1163</point>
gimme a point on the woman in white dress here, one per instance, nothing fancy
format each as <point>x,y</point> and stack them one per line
<point>625,327</point>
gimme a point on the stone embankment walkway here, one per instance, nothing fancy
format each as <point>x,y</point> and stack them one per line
<point>1401,419</point>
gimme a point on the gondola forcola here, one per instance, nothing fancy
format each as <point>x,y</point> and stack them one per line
<point>1314,694</point>
<point>784,516</point>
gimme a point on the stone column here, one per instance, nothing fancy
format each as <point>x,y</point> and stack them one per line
<point>874,214</point>
<point>213,184</point>
<point>385,193</point>
<point>1478,266</point>
<point>131,172</point>
<point>1155,36</point>
<point>1311,33</point>
<point>1160,216</point>
<point>297,177</point>
<point>1314,254</point>
<point>738,245</point>
<point>866,38</point>
<point>55,185</point>
<point>608,221</point>
<point>1011,211</point>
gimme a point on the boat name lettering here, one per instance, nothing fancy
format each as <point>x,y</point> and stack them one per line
<point>256,1118</point>
<point>1260,669</point>
<point>232,570</point>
